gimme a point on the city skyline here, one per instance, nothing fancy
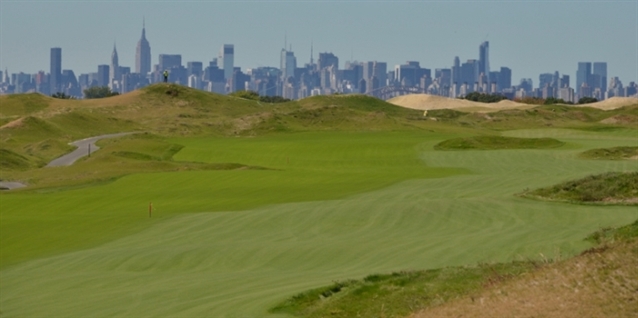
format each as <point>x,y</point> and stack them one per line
<point>83,52</point>
<point>325,77</point>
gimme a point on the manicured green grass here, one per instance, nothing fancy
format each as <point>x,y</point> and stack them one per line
<point>610,188</point>
<point>497,142</point>
<point>616,153</point>
<point>302,167</point>
<point>349,221</point>
<point>320,190</point>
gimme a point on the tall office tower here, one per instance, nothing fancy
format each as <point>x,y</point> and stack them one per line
<point>600,69</point>
<point>312,60</point>
<point>194,68</point>
<point>484,58</point>
<point>5,78</point>
<point>545,79</point>
<point>103,75</point>
<point>288,64</point>
<point>55,82</point>
<point>227,56</point>
<point>456,71</point>
<point>564,81</point>
<point>114,74</point>
<point>327,60</point>
<point>169,61</point>
<point>469,72</point>
<point>380,71</point>
<point>583,74</point>
<point>143,54</point>
<point>505,78</point>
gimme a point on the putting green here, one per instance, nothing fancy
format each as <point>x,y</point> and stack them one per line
<point>229,264</point>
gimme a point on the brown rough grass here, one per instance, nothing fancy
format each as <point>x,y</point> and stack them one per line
<point>601,282</point>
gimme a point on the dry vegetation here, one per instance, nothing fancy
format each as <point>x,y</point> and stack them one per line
<point>601,282</point>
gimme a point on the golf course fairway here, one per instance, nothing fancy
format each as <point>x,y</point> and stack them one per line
<point>326,206</point>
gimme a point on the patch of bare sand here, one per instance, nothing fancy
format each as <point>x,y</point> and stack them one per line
<point>612,103</point>
<point>13,124</point>
<point>428,102</point>
<point>601,282</point>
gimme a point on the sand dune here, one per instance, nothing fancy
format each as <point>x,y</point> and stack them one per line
<point>427,102</point>
<point>612,103</point>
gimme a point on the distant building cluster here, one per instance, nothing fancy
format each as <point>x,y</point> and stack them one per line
<point>323,77</point>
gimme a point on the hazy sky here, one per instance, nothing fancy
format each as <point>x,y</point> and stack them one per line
<point>530,37</point>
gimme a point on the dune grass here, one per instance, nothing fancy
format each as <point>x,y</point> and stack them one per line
<point>497,142</point>
<point>608,188</point>
<point>400,293</point>
<point>600,282</point>
<point>616,153</point>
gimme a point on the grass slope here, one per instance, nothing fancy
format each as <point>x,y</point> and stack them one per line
<point>611,187</point>
<point>400,293</point>
<point>616,153</point>
<point>601,282</point>
<point>242,263</point>
<point>497,142</point>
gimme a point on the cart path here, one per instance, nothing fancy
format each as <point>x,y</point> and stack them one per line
<point>9,185</point>
<point>82,150</point>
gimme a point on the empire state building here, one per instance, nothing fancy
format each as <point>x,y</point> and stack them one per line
<point>143,54</point>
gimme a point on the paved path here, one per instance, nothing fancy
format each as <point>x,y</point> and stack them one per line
<point>9,185</point>
<point>83,149</point>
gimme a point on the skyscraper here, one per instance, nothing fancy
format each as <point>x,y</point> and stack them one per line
<point>582,75</point>
<point>456,76</point>
<point>505,78</point>
<point>169,61</point>
<point>103,75</point>
<point>600,69</point>
<point>227,56</point>
<point>469,72</point>
<point>288,64</point>
<point>484,58</point>
<point>56,70</point>
<point>326,60</point>
<point>143,54</point>
<point>115,69</point>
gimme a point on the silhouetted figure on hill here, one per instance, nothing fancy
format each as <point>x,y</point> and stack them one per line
<point>165,76</point>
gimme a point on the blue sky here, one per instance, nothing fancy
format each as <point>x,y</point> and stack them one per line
<point>531,37</point>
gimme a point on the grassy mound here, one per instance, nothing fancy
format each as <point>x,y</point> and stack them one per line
<point>10,160</point>
<point>610,234</point>
<point>450,291</point>
<point>398,294</point>
<point>497,142</point>
<point>601,282</point>
<point>23,104</point>
<point>616,153</point>
<point>611,187</point>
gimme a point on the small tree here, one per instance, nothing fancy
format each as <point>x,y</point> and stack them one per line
<point>99,92</point>
<point>246,95</point>
<point>62,95</point>
<point>587,100</point>
<point>484,98</point>
<point>554,100</point>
